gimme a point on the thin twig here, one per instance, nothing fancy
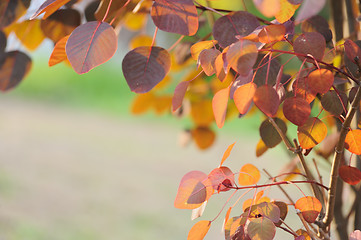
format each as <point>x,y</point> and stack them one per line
<point>283,136</point>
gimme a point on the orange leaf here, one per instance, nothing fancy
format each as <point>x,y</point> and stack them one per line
<point>243,96</point>
<point>261,148</point>
<point>198,47</point>
<point>201,113</point>
<point>287,10</point>
<point>194,189</point>
<point>267,100</point>
<point>241,56</point>
<point>29,28</point>
<point>349,174</point>
<point>320,80</point>
<point>227,153</point>
<point>219,105</point>
<point>269,8</point>
<point>58,55</point>
<point>272,33</point>
<point>199,230</point>
<point>141,40</point>
<point>311,133</point>
<point>353,141</point>
<point>310,207</point>
<point>249,175</point>
<point>179,92</point>
<point>49,7</point>
<point>203,137</point>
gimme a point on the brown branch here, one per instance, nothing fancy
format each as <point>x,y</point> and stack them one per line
<point>337,159</point>
<point>283,136</point>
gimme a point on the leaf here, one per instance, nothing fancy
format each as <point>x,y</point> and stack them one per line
<point>60,24</point>
<point>145,67</point>
<point>312,43</point>
<point>178,96</point>
<point>202,113</point>
<point>218,67</point>
<point>309,8</point>
<point>282,206</point>
<point>175,16</point>
<point>310,207</point>
<point>286,12</point>
<point>353,141</point>
<point>260,228</point>
<point>198,212</point>
<point>317,24</point>
<point>269,8</point>
<point>198,47</point>
<point>261,148</point>
<point>91,45</point>
<point>304,234</point>
<point>59,54</point>
<point>49,7</point>
<point>272,33</point>
<point>194,189</point>
<point>349,174</point>
<point>243,97</point>
<point>269,134</point>
<point>90,10</point>
<point>221,178</point>
<point>296,110</point>
<point>219,106</point>
<point>207,58</point>
<point>11,11</point>
<point>14,66</point>
<point>311,133</point>
<point>352,51</point>
<point>226,28</point>
<point>248,175</point>
<point>301,89</point>
<point>112,12</point>
<point>241,56</point>
<point>268,70</point>
<point>199,230</point>
<point>233,226</point>
<point>141,40</point>
<point>355,235</point>
<point>269,210</point>
<point>227,153</point>
<point>334,103</point>
<point>267,100</point>
<point>142,103</point>
<point>29,28</point>
<point>203,137</point>
<point>320,80</point>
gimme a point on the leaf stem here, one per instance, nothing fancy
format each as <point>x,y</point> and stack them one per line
<point>279,183</point>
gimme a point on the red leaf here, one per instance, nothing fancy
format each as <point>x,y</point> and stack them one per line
<point>175,16</point>
<point>222,178</point>
<point>310,207</point>
<point>267,100</point>
<point>320,80</point>
<point>301,89</point>
<point>219,105</point>
<point>14,66</point>
<point>226,28</point>
<point>353,141</point>
<point>352,51</point>
<point>199,230</point>
<point>227,153</point>
<point>312,43</point>
<point>194,189</point>
<point>90,45</point>
<point>49,7</point>
<point>243,97</point>
<point>349,174</point>
<point>145,67</point>
<point>296,110</point>
<point>179,92</point>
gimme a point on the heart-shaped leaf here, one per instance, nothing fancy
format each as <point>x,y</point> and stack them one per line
<point>311,133</point>
<point>353,141</point>
<point>296,110</point>
<point>349,174</point>
<point>267,100</point>
<point>310,207</point>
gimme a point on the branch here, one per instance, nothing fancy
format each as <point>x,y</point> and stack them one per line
<point>283,136</point>
<point>278,183</point>
<point>337,159</point>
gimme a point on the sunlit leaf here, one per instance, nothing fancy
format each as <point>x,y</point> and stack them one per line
<point>135,22</point>
<point>267,100</point>
<point>29,28</point>
<point>142,103</point>
<point>204,137</point>
<point>269,134</point>
<point>49,7</point>
<point>320,80</point>
<point>202,113</point>
<point>248,175</point>
<point>59,54</point>
<point>207,58</point>
<point>14,66</point>
<point>241,56</point>
<point>312,43</point>
<point>60,24</point>
<point>227,153</point>
<point>269,210</point>
<point>175,16</point>
<point>261,148</point>
<point>302,90</point>
<point>178,95</point>
<point>141,40</point>
<point>355,235</point>
<point>199,230</point>
<point>11,11</point>
<point>269,8</point>
<point>334,103</point>
<point>287,10</point>
<point>253,202</point>
<point>311,133</point>
<point>194,189</point>
<point>162,104</point>
<point>349,174</point>
<point>219,106</point>
<point>226,28</point>
<point>91,45</point>
<point>296,110</point>
<point>302,233</point>
<point>219,67</point>
<point>222,178</point>
<point>353,141</point>
<point>145,67</point>
<point>310,207</point>
<point>260,228</point>
<point>198,47</point>
<point>234,225</point>
<point>272,33</point>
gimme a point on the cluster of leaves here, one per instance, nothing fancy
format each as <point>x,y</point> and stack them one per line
<point>236,63</point>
